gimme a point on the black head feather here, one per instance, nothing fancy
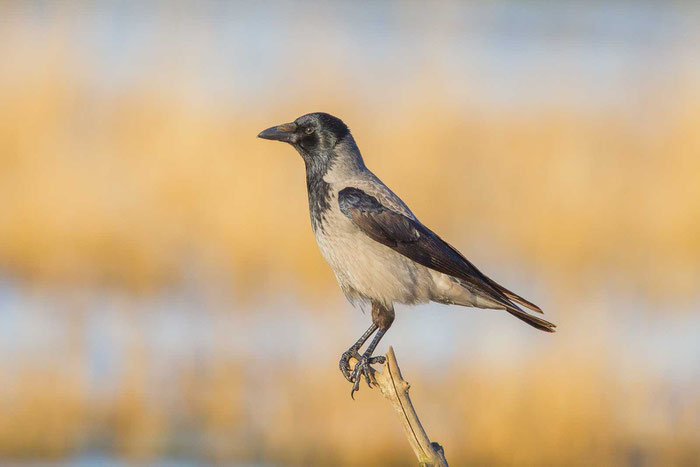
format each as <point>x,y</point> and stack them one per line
<point>319,132</point>
<point>315,136</point>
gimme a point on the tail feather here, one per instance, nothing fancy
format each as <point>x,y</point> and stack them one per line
<point>534,321</point>
<point>514,297</point>
<point>494,295</point>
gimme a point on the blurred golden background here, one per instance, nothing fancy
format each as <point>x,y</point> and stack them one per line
<point>162,299</point>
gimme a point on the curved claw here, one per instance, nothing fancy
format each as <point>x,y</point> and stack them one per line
<point>355,385</point>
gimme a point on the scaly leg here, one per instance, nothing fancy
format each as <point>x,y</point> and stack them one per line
<point>354,351</point>
<point>382,317</point>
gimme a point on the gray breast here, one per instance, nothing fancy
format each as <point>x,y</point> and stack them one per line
<point>366,269</point>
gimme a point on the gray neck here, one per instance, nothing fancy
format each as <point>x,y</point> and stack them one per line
<point>344,158</point>
<point>341,162</point>
<point>347,161</point>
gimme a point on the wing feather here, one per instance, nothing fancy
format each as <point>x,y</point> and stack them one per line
<point>415,241</point>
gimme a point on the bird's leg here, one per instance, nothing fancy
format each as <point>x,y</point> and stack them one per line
<point>382,317</point>
<point>353,351</point>
<point>363,365</point>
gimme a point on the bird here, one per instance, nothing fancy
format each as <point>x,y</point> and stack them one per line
<point>379,251</point>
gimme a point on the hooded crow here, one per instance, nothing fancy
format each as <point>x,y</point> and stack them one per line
<point>380,252</point>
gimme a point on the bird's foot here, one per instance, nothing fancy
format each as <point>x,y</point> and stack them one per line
<point>363,368</point>
<point>344,362</point>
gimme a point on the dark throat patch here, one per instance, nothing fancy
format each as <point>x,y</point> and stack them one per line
<point>319,190</point>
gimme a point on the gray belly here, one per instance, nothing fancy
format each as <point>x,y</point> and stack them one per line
<point>366,269</point>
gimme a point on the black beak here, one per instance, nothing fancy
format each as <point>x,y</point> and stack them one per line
<point>285,132</point>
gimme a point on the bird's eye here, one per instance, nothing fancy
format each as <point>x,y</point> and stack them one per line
<point>308,130</point>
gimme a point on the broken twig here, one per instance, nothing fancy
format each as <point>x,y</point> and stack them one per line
<point>395,389</point>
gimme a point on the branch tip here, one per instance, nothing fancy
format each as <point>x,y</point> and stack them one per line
<point>394,388</point>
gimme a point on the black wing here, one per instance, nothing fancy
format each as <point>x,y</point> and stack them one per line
<point>415,241</point>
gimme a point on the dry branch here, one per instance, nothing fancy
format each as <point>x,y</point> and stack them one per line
<point>395,389</point>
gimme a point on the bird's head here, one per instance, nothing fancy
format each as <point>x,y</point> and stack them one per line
<point>315,136</point>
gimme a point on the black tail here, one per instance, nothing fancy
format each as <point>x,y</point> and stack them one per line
<point>513,296</point>
<point>534,321</point>
<point>509,300</point>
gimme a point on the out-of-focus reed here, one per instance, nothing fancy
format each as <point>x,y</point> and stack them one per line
<point>127,190</point>
<point>146,189</point>
<point>560,410</point>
